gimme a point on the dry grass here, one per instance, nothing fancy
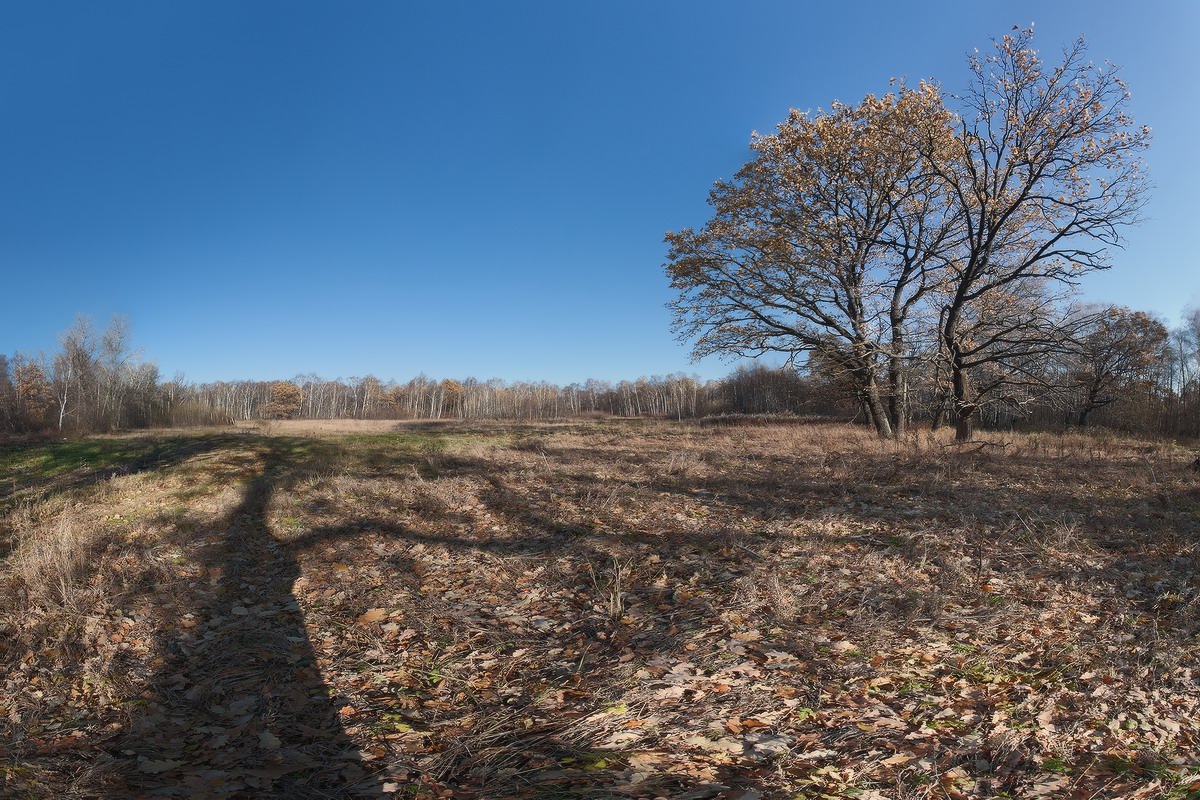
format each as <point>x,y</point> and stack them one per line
<point>323,427</point>
<point>49,565</point>
<point>603,609</point>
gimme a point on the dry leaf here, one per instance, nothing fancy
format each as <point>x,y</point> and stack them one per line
<point>372,616</point>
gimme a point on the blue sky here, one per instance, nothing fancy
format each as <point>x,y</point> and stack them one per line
<point>465,189</point>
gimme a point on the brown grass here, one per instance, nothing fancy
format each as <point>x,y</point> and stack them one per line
<point>324,427</point>
<point>607,609</point>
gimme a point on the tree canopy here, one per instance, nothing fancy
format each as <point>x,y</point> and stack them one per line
<point>918,229</point>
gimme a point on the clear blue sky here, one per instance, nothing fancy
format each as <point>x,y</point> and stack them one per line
<point>465,189</point>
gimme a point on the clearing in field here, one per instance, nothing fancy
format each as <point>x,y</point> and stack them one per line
<point>618,609</point>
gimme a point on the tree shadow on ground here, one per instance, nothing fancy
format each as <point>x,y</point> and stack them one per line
<point>69,465</point>
<point>516,748</point>
<point>78,465</point>
<point>238,706</point>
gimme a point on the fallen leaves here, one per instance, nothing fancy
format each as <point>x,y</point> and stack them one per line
<point>514,621</point>
<point>372,616</point>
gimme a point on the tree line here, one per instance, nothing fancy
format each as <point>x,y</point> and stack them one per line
<point>1123,369</point>
<point>913,258</point>
<point>96,382</point>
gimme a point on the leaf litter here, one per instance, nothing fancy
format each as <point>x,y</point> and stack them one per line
<point>796,613</point>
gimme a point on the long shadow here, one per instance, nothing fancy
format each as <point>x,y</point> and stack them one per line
<point>1147,547</point>
<point>238,707</point>
<point>518,757</point>
<point>81,464</point>
<point>541,535</point>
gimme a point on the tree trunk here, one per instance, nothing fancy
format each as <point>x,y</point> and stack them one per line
<point>898,399</point>
<point>897,377</point>
<point>867,412</point>
<point>939,415</point>
<point>964,429</point>
<point>960,382</point>
<point>964,404</point>
<point>877,412</point>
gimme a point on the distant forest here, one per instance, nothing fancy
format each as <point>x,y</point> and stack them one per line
<point>1123,370</point>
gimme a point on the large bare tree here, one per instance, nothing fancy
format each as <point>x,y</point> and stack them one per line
<point>1045,172</point>
<point>826,242</point>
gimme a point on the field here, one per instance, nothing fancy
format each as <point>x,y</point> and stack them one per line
<point>607,609</point>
